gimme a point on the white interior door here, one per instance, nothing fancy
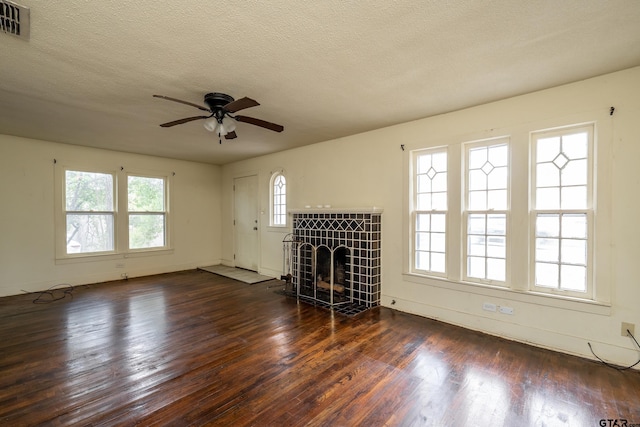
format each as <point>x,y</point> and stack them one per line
<point>246,222</point>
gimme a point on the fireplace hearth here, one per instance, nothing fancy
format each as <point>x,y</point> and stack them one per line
<point>336,257</point>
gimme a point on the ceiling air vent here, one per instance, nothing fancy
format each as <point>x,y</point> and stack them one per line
<point>14,19</point>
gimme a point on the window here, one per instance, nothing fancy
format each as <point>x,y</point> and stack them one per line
<point>562,179</point>
<point>429,217</point>
<point>88,221</point>
<point>278,200</point>
<point>487,194</point>
<point>89,212</point>
<point>147,212</point>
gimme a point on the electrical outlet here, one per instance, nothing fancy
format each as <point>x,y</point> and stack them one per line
<point>625,326</point>
<point>487,306</point>
<point>506,310</point>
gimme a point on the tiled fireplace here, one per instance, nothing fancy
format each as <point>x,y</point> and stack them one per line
<point>336,256</point>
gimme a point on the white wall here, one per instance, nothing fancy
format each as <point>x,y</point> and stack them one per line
<point>370,169</point>
<point>27,255</point>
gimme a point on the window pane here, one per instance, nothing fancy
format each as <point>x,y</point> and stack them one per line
<point>422,241</point>
<point>496,269</point>
<point>547,175</point>
<point>477,180</point>
<point>476,267</point>
<point>438,222</point>
<point>89,233</point>
<point>88,191</point>
<point>498,178</point>
<point>546,275</point>
<point>423,222</point>
<point>496,247</point>
<point>437,242</point>
<point>438,262</point>
<point>145,194</point>
<point>439,201</point>
<point>499,155</point>
<point>477,245</point>
<point>424,202</point>
<point>548,198</point>
<point>497,224</point>
<point>477,200</point>
<point>574,251</point>
<point>477,157</point>
<point>575,173</point>
<point>574,197</point>
<point>548,225</point>
<point>439,162</point>
<point>574,225</point>
<point>573,278</point>
<point>422,261</point>
<point>439,182</point>
<point>547,149</point>
<point>424,184</point>
<point>497,199</point>
<point>575,146</point>
<point>547,250</point>
<point>146,231</point>
<point>476,224</point>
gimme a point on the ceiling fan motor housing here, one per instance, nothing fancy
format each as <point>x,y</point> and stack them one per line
<point>216,100</point>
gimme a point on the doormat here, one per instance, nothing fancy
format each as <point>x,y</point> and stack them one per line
<point>240,274</point>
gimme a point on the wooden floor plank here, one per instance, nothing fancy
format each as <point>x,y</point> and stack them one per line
<point>194,348</point>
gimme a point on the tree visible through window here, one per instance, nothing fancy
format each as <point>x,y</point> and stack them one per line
<point>146,206</point>
<point>89,212</point>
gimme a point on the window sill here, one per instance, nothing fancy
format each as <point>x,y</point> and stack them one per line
<point>530,297</point>
<point>112,256</point>
<point>285,229</point>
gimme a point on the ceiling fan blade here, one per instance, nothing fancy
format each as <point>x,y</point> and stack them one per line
<point>240,104</point>
<point>231,135</point>
<point>182,102</point>
<point>181,121</point>
<point>259,122</point>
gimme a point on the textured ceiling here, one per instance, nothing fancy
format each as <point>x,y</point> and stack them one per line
<point>323,69</point>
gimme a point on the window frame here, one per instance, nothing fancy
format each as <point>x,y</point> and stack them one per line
<point>466,212</point>
<point>120,213</point>
<point>164,212</point>
<point>414,212</point>
<point>272,202</point>
<point>588,211</point>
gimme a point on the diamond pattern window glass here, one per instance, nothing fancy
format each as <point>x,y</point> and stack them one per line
<point>487,200</point>
<point>430,211</point>
<point>562,213</point>
<point>279,200</point>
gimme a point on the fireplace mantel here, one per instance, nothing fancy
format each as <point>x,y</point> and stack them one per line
<point>367,210</point>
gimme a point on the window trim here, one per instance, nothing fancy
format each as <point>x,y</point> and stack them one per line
<point>414,212</point>
<point>589,210</point>
<point>466,148</point>
<point>165,213</point>
<point>120,214</point>
<point>274,176</point>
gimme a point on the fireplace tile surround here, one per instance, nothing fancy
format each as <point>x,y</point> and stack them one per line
<point>354,232</point>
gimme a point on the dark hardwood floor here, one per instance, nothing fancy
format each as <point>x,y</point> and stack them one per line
<point>194,348</point>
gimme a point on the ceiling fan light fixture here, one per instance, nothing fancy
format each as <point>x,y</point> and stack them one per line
<point>229,124</point>
<point>210,124</point>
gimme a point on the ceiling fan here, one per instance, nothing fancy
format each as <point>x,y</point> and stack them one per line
<point>220,119</point>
